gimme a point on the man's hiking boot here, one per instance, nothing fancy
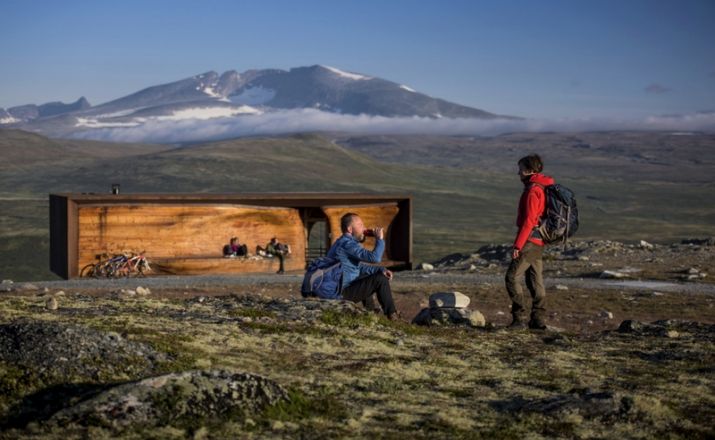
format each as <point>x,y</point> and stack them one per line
<point>518,324</point>
<point>537,324</point>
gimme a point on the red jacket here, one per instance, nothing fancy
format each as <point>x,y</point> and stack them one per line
<point>531,208</point>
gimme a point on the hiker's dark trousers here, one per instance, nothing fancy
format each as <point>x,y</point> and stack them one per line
<point>529,266</point>
<point>362,290</point>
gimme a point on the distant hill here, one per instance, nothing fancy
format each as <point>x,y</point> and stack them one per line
<point>235,95</point>
<point>629,186</point>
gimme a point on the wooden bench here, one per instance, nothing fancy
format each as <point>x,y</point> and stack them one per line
<point>202,265</point>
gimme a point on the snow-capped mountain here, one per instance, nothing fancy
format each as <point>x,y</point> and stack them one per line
<point>233,94</point>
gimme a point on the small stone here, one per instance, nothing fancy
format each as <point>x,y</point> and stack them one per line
<point>448,299</point>
<point>672,334</point>
<point>561,287</point>
<point>6,282</point>
<point>246,320</point>
<point>46,290</point>
<point>612,274</point>
<point>476,319</point>
<point>606,314</point>
<point>472,268</point>
<point>143,291</point>
<point>60,293</point>
<point>277,425</point>
<point>645,245</point>
<point>500,313</point>
<point>51,304</point>
<point>658,293</point>
<point>583,258</point>
<point>589,322</point>
<point>693,271</point>
<point>29,286</point>
<point>425,266</point>
<point>399,342</point>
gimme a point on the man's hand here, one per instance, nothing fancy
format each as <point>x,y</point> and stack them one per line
<point>388,274</point>
<point>515,253</point>
<point>380,233</point>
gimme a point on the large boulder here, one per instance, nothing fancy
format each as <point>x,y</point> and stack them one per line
<point>56,351</point>
<point>178,398</point>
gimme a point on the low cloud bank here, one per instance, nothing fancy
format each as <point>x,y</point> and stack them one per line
<point>309,120</point>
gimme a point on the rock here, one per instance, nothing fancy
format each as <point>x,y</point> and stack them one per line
<point>425,266</point>
<point>658,293</point>
<point>561,287</point>
<point>6,282</point>
<point>583,258</point>
<point>630,326</point>
<point>448,299</point>
<point>448,316</point>
<point>51,304</point>
<point>476,319</point>
<point>176,397</point>
<point>692,271</point>
<point>645,245</point>
<point>39,347</point>
<point>611,274</point>
<point>588,404</point>
<point>606,314</point>
<point>672,334</point>
<point>60,293</point>
<point>399,342</point>
<point>143,291</point>
<point>472,268</point>
<point>29,286</point>
<point>45,290</point>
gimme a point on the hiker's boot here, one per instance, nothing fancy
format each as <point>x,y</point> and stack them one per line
<point>395,316</point>
<point>518,324</point>
<point>537,324</point>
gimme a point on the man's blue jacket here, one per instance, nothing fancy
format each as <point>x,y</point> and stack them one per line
<point>350,254</point>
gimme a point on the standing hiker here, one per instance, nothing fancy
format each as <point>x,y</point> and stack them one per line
<point>529,246</point>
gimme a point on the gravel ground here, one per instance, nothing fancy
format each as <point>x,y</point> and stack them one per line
<point>401,278</point>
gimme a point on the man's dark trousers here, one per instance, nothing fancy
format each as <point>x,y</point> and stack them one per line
<point>362,289</point>
<point>530,265</point>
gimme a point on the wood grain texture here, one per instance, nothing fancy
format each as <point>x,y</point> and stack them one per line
<point>165,231</point>
<point>372,215</point>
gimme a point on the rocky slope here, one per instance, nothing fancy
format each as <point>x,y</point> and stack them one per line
<point>257,361</point>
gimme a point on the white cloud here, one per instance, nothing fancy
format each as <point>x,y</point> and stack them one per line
<point>308,120</point>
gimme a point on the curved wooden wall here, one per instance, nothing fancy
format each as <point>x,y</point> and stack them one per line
<point>192,231</point>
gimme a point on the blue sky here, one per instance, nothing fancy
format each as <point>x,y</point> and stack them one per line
<point>554,59</point>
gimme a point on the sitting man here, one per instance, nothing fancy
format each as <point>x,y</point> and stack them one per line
<point>275,249</point>
<point>233,249</point>
<point>361,281</point>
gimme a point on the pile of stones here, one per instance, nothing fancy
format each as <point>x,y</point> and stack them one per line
<point>449,309</point>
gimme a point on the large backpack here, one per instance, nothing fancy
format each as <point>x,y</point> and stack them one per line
<point>323,278</point>
<point>560,218</point>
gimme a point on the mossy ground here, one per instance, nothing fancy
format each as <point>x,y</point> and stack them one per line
<point>359,375</point>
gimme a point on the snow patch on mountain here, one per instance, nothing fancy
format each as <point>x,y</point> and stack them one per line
<point>348,75</point>
<point>407,88</point>
<point>211,92</point>
<point>253,96</point>
<point>9,120</point>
